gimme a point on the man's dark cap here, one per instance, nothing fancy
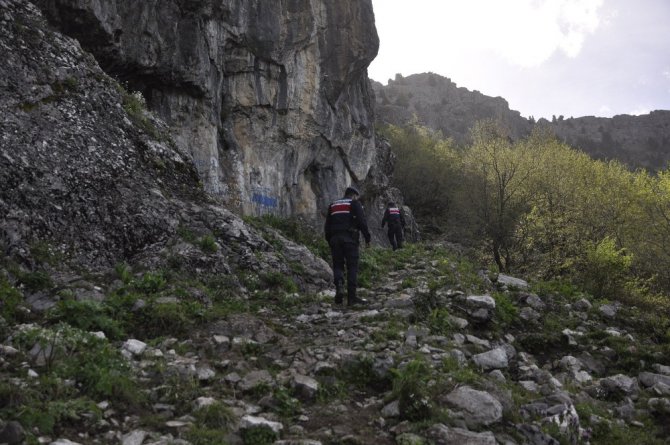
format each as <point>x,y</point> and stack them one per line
<point>352,191</point>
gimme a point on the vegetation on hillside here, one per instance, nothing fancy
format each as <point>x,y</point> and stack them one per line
<point>538,207</point>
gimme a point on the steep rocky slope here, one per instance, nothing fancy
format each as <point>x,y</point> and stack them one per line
<point>638,141</point>
<point>271,99</point>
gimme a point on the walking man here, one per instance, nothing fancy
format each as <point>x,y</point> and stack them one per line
<point>396,221</point>
<point>344,221</point>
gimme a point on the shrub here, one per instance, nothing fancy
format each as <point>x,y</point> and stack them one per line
<point>278,280</point>
<point>412,391</point>
<point>438,321</point>
<point>215,416</point>
<point>208,244</point>
<point>87,316</point>
<point>260,435</point>
<point>10,299</point>
<point>151,282</point>
<point>606,268</point>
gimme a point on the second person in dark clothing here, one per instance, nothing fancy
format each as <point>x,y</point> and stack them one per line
<point>396,222</point>
<point>344,221</point>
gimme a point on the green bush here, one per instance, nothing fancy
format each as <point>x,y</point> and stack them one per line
<point>10,299</point>
<point>208,244</point>
<point>151,282</point>
<point>260,435</point>
<point>278,280</point>
<point>506,311</point>
<point>99,369</point>
<point>87,316</point>
<point>216,416</point>
<point>35,281</point>
<point>606,269</point>
<point>411,389</point>
<point>438,321</point>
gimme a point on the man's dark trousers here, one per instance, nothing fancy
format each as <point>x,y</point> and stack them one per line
<point>395,236</point>
<point>345,250</point>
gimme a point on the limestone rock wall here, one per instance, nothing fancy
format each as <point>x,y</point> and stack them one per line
<point>271,98</point>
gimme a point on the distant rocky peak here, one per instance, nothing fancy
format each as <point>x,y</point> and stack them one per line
<point>438,103</point>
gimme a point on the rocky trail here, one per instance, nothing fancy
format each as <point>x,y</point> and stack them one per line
<point>442,355</point>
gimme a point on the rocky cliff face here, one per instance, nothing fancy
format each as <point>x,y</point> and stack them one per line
<point>638,141</point>
<point>271,99</point>
<point>89,178</point>
<point>440,104</point>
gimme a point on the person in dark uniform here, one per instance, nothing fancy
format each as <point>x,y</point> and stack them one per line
<point>396,221</point>
<point>344,221</point>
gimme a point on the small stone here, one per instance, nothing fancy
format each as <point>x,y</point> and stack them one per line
<point>134,438</point>
<point>8,351</point>
<point>481,301</point>
<point>582,305</point>
<point>203,402</point>
<point>608,310</point>
<point>135,347</point>
<point>248,422</point>
<point>511,282</point>
<point>529,385</point>
<point>205,373</point>
<point>12,433</point>
<point>305,386</point>
<point>493,359</point>
<point>497,374</point>
<point>391,410</point>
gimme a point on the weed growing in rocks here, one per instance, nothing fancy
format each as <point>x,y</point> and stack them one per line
<point>208,244</point>
<point>260,435</point>
<point>506,312</point>
<point>438,321</point>
<point>410,387</point>
<point>216,416</point>
<point>10,299</point>
<point>87,316</point>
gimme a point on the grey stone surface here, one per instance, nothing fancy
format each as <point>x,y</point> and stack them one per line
<point>493,359</point>
<point>444,435</point>
<point>480,407</point>
<point>512,282</point>
<point>650,379</point>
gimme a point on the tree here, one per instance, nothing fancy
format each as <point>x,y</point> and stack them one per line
<point>497,172</point>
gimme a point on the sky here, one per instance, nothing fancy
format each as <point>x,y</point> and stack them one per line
<point>566,58</point>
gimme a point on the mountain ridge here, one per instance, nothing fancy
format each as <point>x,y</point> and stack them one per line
<point>637,141</point>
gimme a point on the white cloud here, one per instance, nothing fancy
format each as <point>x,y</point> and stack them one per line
<point>524,32</point>
<point>666,74</point>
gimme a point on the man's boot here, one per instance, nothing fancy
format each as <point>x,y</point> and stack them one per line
<point>339,293</point>
<point>356,301</point>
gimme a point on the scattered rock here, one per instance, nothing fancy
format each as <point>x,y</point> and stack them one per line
<point>620,385</point>
<point>12,433</point>
<point>443,435</point>
<point>511,282</point>
<point>248,422</point>
<point>493,359</point>
<point>480,408</point>
<point>650,379</point>
<point>135,347</point>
